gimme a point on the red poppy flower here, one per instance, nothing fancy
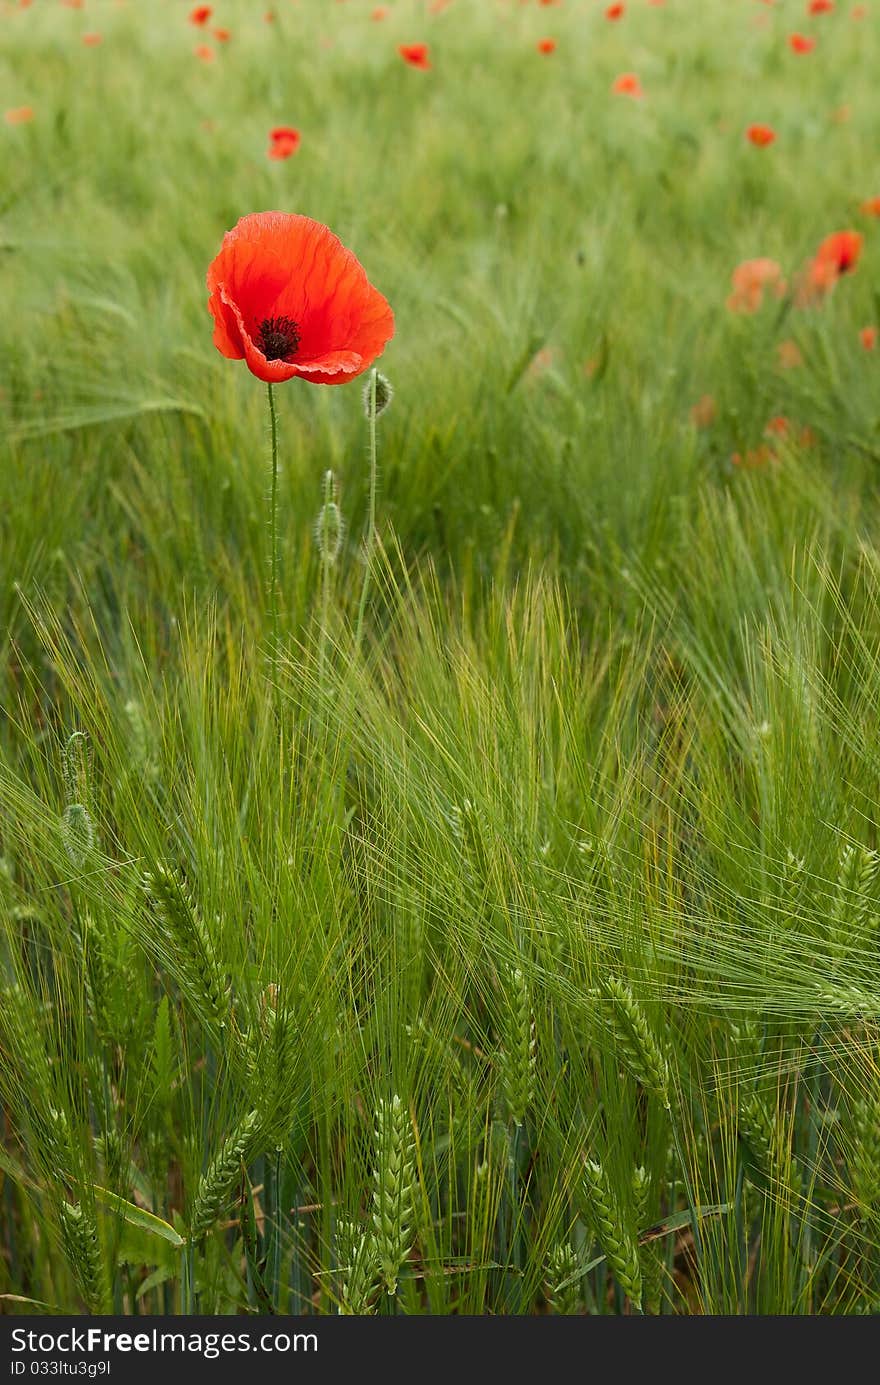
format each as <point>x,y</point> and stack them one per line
<point>546,45</point>
<point>19,115</point>
<point>755,457</point>
<point>750,279</point>
<point>868,338</point>
<point>200,15</point>
<point>92,40</point>
<point>204,52</point>
<point>289,299</point>
<point>840,251</point>
<point>379,13</point>
<point>777,427</point>
<point>871,207</point>
<point>760,135</point>
<point>283,141</point>
<point>703,413</point>
<point>820,6</point>
<point>615,11</point>
<point>416,54</point>
<point>627,84</point>
<point>222,35</point>
<point>799,43</point>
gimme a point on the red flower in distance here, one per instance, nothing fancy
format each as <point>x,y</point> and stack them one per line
<point>760,135</point>
<point>200,15</point>
<point>800,43</point>
<point>820,6</point>
<point>871,207</point>
<point>868,338</point>
<point>289,299</point>
<point>615,11</point>
<point>840,252</point>
<point>546,45</point>
<point>416,54</point>
<point>627,84</point>
<point>283,141</point>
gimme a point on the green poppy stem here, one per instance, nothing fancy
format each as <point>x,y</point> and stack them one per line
<point>370,545</point>
<point>273,530</point>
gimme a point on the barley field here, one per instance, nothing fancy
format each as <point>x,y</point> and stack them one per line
<point>440,873</point>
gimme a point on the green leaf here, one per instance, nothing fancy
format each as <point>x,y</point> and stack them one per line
<point>136,1216</point>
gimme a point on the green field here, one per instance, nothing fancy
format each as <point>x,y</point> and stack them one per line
<point>516,953</point>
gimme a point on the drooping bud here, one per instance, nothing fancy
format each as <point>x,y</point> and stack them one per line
<point>383,397</point>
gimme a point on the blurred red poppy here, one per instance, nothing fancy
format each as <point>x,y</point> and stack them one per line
<point>19,115</point>
<point>204,52</point>
<point>800,43</point>
<point>289,299</point>
<point>868,338</point>
<point>750,279</point>
<point>92,40</point>
<point>284,140</point>
<point>546,45</point>
<point>761,135</point>
<point>615,11</point>
<point>627,84</point>
<point>416,54</point>
<point>200,15</point>
<point>840,252</point>
<point>820,6</point>
<point>871,207</point>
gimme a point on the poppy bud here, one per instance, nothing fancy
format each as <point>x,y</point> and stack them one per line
<point>330,525</point>
<point>384,394</point>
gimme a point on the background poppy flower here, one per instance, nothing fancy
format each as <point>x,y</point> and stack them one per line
<point>760,135</point>
<point>289,299</point>
<point>92,40</point>
<point>750,279</point>
<point>868,338</point>
<point>416,54</point>
<point>19,115</point>
<point>615,11</point>
<point>800,43</point>
<point>871,207</point>
<point>820,6</point>
<point>284,140</point>
<point>840,252</point>
<point>200,15</point>
<point>627,84</point>
<point>546,45</point>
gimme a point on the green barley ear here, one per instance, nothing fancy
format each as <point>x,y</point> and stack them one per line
<point>759,1138</point>
<point>651,1255</point>
<point>863,1157</point>
<point>188,943</point>
<point>79,1233</point>
<point>852,903</point>
<point>357,1267</point>
<point>221,1174</point>
<point>563,1285</point>
<point>77,825</point>
<point>384,394</point>
<point>517,1058</point>
<point>614,1236</point>
<point>638,1047</point>
<point>21,1038</point>
<point>271,1056</point>
<point>394,1181</point>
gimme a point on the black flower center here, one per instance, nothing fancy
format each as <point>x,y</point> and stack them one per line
<point>277,337</point>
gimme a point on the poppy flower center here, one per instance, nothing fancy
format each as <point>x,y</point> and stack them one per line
<point>277,337</point>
